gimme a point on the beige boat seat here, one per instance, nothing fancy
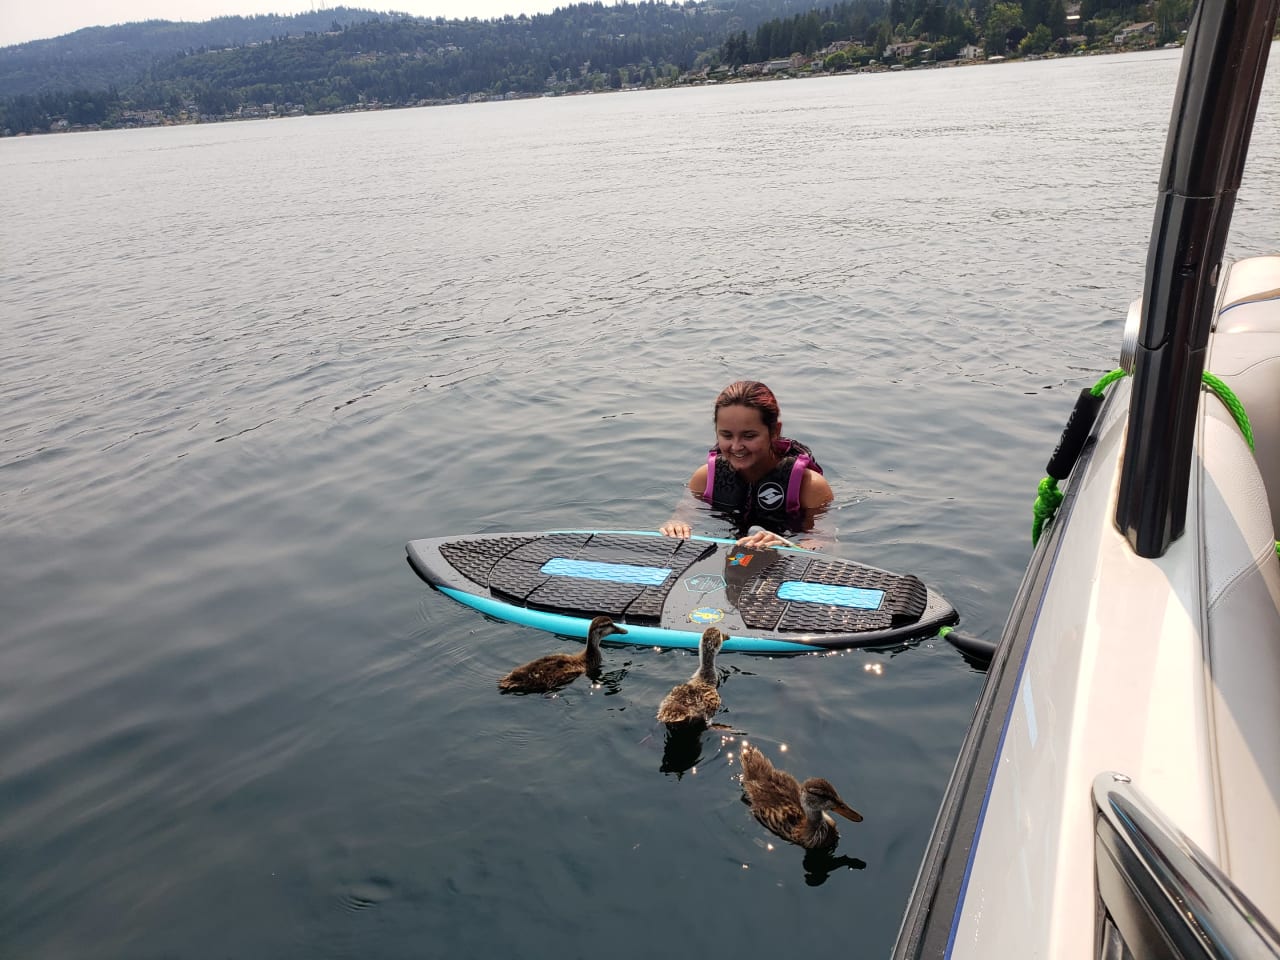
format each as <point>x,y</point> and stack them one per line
<point>1246,355</point>
<point>1239,493</point>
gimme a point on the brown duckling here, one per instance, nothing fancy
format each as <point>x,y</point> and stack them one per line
<point>558,669</point>
<point>695,702</point>
<point>796,812</point>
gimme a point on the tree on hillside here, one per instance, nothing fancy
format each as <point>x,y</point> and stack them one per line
<point>1056,20</point>
<point>883,37</point>
<point>1004,28</point>
<point>1034,13</point>
<point>1169,15</point>
<point>1037,41</point>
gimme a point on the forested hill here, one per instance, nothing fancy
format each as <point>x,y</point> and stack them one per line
<point>159,72</point>
<point>588,46</point>
<point>101,57</point>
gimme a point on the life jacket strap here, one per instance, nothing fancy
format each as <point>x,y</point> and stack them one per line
<point>711,474</point>
<point>803,463</point>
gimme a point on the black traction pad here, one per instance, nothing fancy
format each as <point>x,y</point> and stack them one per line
<point>762,608</point>
<point>475,558</point>
<point>511,568</point>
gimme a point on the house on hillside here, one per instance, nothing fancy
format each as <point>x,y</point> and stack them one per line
<point>1134,31</point>
<point>835,47</point>
<point>900,51</point>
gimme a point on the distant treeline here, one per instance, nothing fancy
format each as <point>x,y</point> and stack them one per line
<point>101,57</point>
<point>346,57</point>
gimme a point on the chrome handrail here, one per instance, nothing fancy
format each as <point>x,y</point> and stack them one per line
<point>1163,894</point>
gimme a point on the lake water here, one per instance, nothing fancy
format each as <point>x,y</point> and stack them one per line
<point>244,363</point>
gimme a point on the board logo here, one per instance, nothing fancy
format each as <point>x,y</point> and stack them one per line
<point>705,583</point>
<point>740,559</point>
<point>706,615</point>
<point>770,495</point>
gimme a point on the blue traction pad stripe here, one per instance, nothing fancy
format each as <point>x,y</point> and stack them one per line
<point>859,597</point>
<point>612,572</point>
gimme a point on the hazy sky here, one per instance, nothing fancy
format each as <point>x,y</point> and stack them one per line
<point>22,20</point>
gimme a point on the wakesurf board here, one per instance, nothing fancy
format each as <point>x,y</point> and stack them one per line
<point>666,591</point>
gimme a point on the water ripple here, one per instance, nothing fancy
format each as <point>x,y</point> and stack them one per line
<point>246,362</point>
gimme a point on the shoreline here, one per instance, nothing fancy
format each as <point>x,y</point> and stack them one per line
<point>151,122</point>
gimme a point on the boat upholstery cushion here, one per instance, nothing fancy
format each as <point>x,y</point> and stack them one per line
<point>1246,355</point>
<point>1242,600</point>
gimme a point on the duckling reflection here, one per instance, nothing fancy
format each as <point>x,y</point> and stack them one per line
<point>693,703</point>
<point>682,750</point>
<point>793,811</point>
<point>560,669</point>
<point>820,864</point>
<point>610,681</point>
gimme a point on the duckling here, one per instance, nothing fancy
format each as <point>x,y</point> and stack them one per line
<point>694,703</point>
<point>558,669</point>
<point>795,812</point>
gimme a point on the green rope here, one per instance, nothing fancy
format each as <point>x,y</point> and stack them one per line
<point>1107,381</point>
<point>1049,497</point>
<point>1231,402</point>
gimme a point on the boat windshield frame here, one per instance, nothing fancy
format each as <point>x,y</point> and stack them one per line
<point>1219,85</point>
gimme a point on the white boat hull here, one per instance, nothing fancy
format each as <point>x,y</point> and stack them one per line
<point>1166,669</point>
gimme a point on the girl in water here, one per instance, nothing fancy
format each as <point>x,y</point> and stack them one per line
<point>762,478</point>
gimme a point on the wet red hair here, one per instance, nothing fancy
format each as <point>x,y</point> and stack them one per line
<point>753,394</point>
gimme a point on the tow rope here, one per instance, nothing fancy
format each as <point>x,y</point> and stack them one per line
<point>1076,432</point>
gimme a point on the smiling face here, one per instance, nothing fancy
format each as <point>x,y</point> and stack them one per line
<point>745,441</point>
